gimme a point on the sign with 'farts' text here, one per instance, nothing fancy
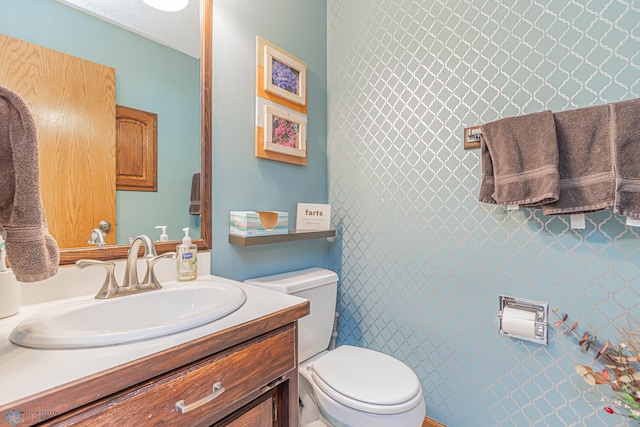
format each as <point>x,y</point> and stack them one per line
<point>313,216</point>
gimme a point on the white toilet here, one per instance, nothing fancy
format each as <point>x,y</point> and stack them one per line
<point>348,386</point>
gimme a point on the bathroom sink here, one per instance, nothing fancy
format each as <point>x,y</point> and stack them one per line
<point>95,323</point>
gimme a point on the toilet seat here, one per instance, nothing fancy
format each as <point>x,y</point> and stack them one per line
<point>367,380</point>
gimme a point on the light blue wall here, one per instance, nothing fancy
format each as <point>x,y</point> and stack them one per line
<point>242,181</point>
<point>421,261</point>
<point>149,77</point>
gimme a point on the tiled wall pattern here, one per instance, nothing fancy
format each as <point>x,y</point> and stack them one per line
<point>421,261</point>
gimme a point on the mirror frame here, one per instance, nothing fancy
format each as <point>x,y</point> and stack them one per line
<point>70,256</point>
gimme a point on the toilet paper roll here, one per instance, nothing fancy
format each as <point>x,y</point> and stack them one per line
<point>519,322</point>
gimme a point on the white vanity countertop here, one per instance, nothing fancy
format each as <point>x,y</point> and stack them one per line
<point>25,371</point>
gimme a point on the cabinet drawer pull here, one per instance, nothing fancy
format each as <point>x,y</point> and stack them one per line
<point>218,389</point>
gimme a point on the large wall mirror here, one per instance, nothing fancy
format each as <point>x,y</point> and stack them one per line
<point>184,118</point>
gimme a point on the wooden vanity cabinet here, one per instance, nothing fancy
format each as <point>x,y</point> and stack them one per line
<point>261,414</point>
<point>251,384</point>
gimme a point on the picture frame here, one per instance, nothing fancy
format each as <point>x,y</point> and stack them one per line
<point>284,75</point>
<point>284,89</point>
<point>285,132</point>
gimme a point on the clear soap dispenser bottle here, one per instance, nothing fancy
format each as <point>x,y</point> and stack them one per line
<point>164,237</point>
<point>187,259</point>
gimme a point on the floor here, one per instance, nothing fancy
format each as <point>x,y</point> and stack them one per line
<point>428,422</point>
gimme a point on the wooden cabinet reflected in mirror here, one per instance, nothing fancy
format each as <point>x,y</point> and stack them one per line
<point>136,150</point>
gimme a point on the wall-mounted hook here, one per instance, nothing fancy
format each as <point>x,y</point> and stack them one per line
<point>472,137</point>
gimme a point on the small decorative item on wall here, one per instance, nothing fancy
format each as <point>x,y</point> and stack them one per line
<point>285,132</point>
<point>281,105</point>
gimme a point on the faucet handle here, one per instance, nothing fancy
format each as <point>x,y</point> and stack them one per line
<point>110,286</point>
<point>150,277</point>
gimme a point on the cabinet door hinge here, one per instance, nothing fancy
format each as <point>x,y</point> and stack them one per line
<point>274,410</point>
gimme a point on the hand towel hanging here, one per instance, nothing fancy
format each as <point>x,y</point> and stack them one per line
<point>585,166</point>
<point>31,250</point>
<point>194,202</point>
<point>625,128</point>
<point>520,161</point>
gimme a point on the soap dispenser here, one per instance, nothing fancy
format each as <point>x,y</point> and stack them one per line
<point>164,237</point>
<point>187,259</point>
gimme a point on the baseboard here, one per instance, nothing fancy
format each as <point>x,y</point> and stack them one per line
<point>428,422</point>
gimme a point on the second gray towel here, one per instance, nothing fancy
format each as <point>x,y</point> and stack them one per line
<point>625,128</point>
<point>586,168</point>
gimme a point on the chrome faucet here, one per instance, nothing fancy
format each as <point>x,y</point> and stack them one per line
<point>130,283</point>
<point>131,269</point>
<point>97,238</point>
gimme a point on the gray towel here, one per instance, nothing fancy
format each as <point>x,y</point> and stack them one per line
<point>31,251</point>
<point>520,161</point>
<point>586,168</point>
<point>194,202</point>
<point>625,128</point>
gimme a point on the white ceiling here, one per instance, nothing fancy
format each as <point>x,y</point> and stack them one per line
<point>178,30</point>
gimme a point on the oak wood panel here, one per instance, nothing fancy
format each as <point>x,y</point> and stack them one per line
<point>136,149</point>
<point>428,422</point>
<point>242,370</point>
<point>73,105</point>
<point>65,398</point>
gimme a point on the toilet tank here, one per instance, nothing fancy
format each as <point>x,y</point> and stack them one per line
<point>320,287</point>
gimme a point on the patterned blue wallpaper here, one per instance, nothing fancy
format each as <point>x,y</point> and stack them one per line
<point>421,261</point>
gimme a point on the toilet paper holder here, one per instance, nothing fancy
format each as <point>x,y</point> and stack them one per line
<point>524,319</point>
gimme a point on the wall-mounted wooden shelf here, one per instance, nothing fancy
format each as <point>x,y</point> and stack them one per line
<point>292,236</point>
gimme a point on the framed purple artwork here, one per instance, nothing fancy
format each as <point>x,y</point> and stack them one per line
<point>285,76</point>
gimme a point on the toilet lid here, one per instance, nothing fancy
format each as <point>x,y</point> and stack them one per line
<point>367,380</point>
